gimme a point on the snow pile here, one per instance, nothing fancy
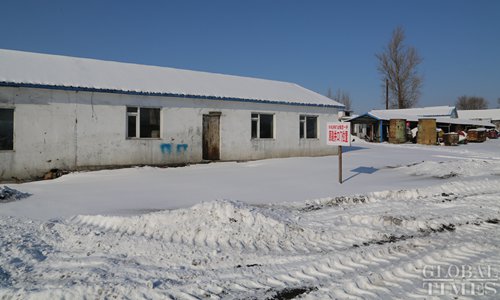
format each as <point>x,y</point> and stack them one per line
<point>466,189</point>
<point>218,224</point>
<point>448,169</point>
<point>8,194</point>
<point>316,204</point>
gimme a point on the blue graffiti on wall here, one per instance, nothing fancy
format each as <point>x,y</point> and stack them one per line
<point>167,148</point>
<point>181,148</point>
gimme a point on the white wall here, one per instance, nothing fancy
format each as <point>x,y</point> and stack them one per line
<point>77,130</point>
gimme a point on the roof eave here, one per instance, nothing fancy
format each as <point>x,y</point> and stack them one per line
<point>365,115</point>
<point>158,94</point>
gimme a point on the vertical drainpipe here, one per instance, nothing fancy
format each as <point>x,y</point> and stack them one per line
<point>380,130</point>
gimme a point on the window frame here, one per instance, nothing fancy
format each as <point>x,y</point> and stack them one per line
<point>256,116</point>
<point>303,132</point>
<point>134,111</point>
<point>13,127</point>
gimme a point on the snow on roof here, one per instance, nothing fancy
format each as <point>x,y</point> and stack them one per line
<point>432,111</point>
<point>44,70</point>
<point>480,114</point>
<point>458,121</point>
<point>387,115</point>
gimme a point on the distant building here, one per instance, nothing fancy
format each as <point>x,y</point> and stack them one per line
<point>69,113</point>
<point>356,129</point>
<point>489,115</point>
<point>376,122</point>
<point>424,112</point>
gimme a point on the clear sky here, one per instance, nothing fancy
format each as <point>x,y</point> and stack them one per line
<point>317,44</point>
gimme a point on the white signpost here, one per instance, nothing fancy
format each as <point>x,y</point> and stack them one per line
<point>339,134</point>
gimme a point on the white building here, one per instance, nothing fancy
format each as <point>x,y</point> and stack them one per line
<point>70,113</point>
<point>490,115</point>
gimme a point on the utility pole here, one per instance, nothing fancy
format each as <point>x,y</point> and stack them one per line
<point>386,93</point>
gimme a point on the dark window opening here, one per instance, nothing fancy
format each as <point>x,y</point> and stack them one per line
<point>6,129</point>
<point>143,122</point>
<point>150,123</point>
<point>262,126</point>
<point>266,126</point>
<point>311,124</point>
<point>132,122</point>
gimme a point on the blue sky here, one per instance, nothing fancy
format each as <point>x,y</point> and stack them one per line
<point>317,44</point>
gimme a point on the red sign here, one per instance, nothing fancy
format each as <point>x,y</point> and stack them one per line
<point>338,134</point>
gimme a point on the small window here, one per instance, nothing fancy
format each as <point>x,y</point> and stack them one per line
<point>143,122</point>
<point>262,126</point>
<point>308,127</point>
<point>6,129</point>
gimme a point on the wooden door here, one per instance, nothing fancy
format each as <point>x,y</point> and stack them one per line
<point>211,136</point>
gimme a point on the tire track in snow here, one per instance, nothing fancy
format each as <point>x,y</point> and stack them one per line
<point>266,250</point>
<point>403,263</point>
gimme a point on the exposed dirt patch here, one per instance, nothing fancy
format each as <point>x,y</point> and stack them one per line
<point>441,228</point>
<point>334,202</point>
<point>248,266</point>
<point>387,239</point>
<point>422,232</point>
<point>446,176</point>
<point>291,293</point>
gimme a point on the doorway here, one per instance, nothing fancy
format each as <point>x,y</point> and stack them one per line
<point>211,136</point>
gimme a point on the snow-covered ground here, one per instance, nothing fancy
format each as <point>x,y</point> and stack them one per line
<point>409,221</point>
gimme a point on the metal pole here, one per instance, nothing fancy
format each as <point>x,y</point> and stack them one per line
<point>340,164</point>
<point>386,93</point>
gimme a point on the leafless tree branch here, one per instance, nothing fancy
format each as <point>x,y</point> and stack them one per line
<point>471,102</point>
<point>398,64</point>
<point>341,97</point>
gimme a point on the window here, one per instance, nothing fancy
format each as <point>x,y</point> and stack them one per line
<point>6,129</point>
<point>262,126</point>
<point>308,127</point>
<point>143,122</point>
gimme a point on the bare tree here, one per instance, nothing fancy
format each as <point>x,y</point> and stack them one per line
<point>467,103</point>
<point>344,98</point>
<point>329,94</point>
<point>398,65</point>
<point>341,97</point>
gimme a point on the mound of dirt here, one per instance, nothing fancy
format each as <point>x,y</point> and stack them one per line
<point>8,195</point>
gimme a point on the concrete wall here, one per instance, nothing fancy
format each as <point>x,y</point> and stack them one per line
<point>78,130</point>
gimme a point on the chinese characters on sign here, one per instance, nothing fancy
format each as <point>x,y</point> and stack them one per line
<point>338,134</point>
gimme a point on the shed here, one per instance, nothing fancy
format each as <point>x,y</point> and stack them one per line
<point>59,112</point>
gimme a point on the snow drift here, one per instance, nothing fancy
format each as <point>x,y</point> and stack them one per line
<point>218,224</point>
